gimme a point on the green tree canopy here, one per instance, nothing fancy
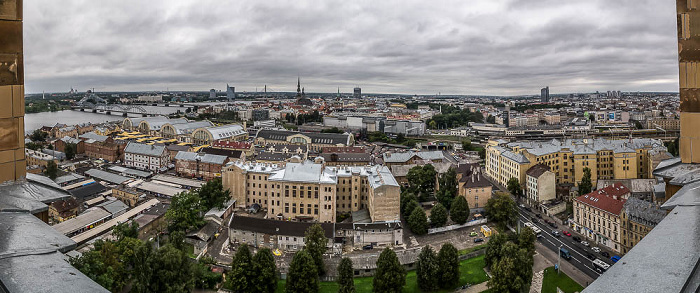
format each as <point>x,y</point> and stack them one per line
<point>501,209</point>
<point>418,222</point>
<point>316,245</point>
<point>264,271</point>
<point>526,239</point>
<point>512,272</point>
<point>345,279</point>
<point>422,180</point>
<point>514,187</point>
<point>302,277</point>
<point>51,170</point>
<point>70,150</point>
<point>438,215</point>
<point>390,276</point>
<point>459,212</point>
<point>493,248</point>
<point>585,186</point>
<point>241,277</point>
<point>213,195</point>
<point>448,188</point>
<point>126,229</point>
<point>184,211</point>
<point>102,265</point>
<point>412,205</point>
<point>407,197</point>
<point>448,268</point>
<point>427,270</point>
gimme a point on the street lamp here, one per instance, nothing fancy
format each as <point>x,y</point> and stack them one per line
<point>559,259</point>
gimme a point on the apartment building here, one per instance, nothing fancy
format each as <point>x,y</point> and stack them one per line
<point>102,147</point>
<point>314,141</point>
<point>473,185</point>
<point>146,157</point>
<point>597,215</point>
<point>540,185</point>
<point>606,158</point>
<point>638,218</point>
<point>308,191</point>
<point>206,166</point>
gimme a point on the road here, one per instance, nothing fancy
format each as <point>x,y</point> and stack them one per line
<point>577,250</point>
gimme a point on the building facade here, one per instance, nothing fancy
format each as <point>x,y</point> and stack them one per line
<point>205,166</point>
<point>129,196</point>
<point>307,191</point>
<point>638,218</point>
<point>473,185</point>
<point>597,215</point>
<point>541,185</point>
<point>146,157</point>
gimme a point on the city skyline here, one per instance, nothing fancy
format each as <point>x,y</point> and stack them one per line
<point>503,48</point>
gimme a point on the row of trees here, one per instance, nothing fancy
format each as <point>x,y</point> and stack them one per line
<point>250,273</point>
<point>453,117</point>
<point>436,271</point>
<point>187,208</point>
<point>128,260</point>
<point>417,220</point>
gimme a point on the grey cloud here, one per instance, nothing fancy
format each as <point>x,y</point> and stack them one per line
<point>413,47</point>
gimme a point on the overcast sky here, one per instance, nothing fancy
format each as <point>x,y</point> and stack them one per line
<point>489,47</point>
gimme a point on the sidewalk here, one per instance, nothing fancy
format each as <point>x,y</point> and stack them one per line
<point>551,257</point>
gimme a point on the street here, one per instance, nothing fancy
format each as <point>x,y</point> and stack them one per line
<point>577,250</point>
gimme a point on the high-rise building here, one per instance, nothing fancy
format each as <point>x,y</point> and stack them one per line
<point>544,94</point>
<point>357,93</point>
<point>212,94</point>
<point>12,163</point>
<point>230,93</point>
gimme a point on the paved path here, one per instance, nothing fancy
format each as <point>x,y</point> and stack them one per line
<point>481,287</point>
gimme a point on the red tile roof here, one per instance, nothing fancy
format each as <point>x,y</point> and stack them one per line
<point>610,199</point>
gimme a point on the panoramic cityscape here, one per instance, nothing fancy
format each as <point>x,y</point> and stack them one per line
<point>499,146</point>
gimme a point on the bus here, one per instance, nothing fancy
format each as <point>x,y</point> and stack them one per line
<point>537,231</point>
<point>563,252</point>
<point>600,266</point>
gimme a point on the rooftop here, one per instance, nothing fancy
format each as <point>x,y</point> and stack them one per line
<point>144,149</point>
<point>609,199</point>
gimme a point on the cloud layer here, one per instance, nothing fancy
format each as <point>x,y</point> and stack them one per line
<point>414,47</point>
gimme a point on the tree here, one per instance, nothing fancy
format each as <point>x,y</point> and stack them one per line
<point>406,198</point>
<point>422,180</point>
<point>390,276</point>
<point>38,135</point>
<point>331,130</point>
<point>240,279</point>
<point>412,205</point>
<point>501,209</point>
<point>184,211</point>
<point>467,145</point>
<point>448,268</point>
<point>126,229</point>
<point>448,187</point>
<point>427,270</point>
<point>70,150</point>
<point>316,245</point>
<point>264,271</point>
<point>438,215</point>
<point>459,212</point>
<point>204,278</point>
<point>51,170</point>
<point>493,249</point>
<point>432,124</point>
<point>177,239</point>
<point>512,272</point>
<point>585,186</point>
<point>213,195</point>
<point>345,279</point>
<point>171,271</point>
<point>491,119</point>
<point>418,222</point>
<point>102,265</point>
<point>526,239</point>
<point>303,276</point>
<point>514,187</point>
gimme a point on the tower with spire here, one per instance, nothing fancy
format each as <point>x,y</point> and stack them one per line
<point>298,87</point>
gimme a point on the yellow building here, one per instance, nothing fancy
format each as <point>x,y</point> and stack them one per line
<point>307,191</point>
<point>127,195</point>
<point>607,159</point>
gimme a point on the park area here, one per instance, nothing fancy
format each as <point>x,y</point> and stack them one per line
<point>471,271</point>
<point>552,281</point>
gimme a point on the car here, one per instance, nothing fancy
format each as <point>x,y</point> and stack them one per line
<point>605,254</point>
<point>577,239</point>
<point>615,258</point>
<point>590,256</point>
<point>477,240</point>
<point>584,243</point>
<point>595,249</point>
<point>535,220</point>
<point>553,225</point>
<point>539,216</point>
<point>367,247</point>
<point>473,234</point>
<point>566,233</point>
<point>555,233</point>
<point>528,209</point>
<point>522,206</point>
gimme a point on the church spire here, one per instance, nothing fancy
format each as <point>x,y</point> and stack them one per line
<point>298,87</point>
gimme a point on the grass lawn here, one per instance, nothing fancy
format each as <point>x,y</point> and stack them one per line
<point>472,249</point>
<point>552,281</point>
<point>471,271</point>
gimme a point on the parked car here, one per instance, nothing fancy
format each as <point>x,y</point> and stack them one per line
<point>473,234</point>
<point>522,206</point>
<point>534,219</point>
<point>595,249</point>
<point>566,233</point>
<point>539,216</point>
<point>577,239</point>
<point>477,240</point>
<point>615,258</point>
<point>605,254</point>
<point>553,225</point>
<point>528,209</point>
<point>367,247</point>
<point>555,233</point>
<point>584,243</point>
<point>590,256</point>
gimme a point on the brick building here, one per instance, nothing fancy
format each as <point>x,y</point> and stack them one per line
<point>206,166</point>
